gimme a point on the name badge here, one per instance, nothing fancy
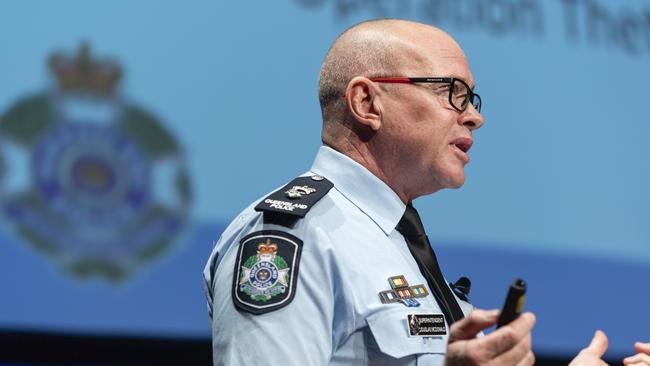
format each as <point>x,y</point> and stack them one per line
<point>426,325</point>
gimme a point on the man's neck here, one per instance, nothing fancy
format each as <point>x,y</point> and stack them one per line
<point>362,155</point>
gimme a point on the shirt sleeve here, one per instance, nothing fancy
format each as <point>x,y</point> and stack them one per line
<point>299,333</point>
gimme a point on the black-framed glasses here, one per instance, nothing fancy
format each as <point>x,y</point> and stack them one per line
<point>460,94</point>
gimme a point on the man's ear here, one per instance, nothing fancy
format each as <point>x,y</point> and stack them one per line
<point>362,96</point>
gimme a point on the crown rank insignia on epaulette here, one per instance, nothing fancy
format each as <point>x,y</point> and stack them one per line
<point>292,202</point>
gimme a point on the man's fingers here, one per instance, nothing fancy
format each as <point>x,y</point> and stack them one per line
<point>523,324</point>
<point>468,327</point>
<point>598,345</point>
<point>505,338</point>
<point>508,345</point>
<point>517,355</point>
<point>593,353</point>
<point>642,347</point>
<point>528,360</point>
<point>639,358</point>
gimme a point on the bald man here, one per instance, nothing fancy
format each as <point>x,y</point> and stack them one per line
<point>334,268</point>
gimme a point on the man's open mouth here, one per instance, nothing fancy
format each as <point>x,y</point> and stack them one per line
<point>463,144</point>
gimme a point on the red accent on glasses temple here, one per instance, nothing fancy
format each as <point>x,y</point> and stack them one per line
<point>400,80</point>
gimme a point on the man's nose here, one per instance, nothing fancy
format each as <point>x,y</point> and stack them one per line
<point>471,118</point>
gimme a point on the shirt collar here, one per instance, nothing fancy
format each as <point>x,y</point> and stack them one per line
<point>369,193</point>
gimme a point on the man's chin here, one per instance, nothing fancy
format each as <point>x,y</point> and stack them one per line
<point>456,185</point>
<point>455,180</point>
<point>450,181</point>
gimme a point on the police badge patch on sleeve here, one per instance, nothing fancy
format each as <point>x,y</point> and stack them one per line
<point>266,271</point>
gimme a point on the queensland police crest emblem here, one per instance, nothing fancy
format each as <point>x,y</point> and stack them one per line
<point>266,271</point>
<point>91,180</point>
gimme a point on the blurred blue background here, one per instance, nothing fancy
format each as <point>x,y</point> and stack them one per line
<point>132,132</point>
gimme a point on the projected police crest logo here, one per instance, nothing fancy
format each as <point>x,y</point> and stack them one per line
<point>91,180</point>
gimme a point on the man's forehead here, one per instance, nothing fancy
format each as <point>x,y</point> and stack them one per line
<point>410,49</point>
<point>446,60</point>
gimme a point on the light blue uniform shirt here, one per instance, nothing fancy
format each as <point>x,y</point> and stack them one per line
<point>351,248</point>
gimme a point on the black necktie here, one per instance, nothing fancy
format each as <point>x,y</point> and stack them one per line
<point>411,228</point>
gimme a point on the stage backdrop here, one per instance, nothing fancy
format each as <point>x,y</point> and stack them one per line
<point>131,132</point>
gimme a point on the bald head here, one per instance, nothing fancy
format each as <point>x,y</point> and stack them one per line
<point>410,135</point>
<point>389,47</point>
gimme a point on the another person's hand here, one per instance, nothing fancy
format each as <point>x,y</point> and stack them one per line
<point>592,354</point>
<point>640,359</point>
<point>509,345</point>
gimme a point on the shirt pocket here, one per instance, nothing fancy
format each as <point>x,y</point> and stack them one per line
<point>391,332</point>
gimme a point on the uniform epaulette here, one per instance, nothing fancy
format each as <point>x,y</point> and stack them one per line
<point>292,202</point>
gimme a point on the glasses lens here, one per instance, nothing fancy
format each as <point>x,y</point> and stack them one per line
<point>476,102</point>
<point>460,95</point>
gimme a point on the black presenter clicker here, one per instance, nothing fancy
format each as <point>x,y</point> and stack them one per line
<point>514,302</point>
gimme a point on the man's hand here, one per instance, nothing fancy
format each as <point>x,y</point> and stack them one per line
<point>592,354</point>
<point>509,345</point>
<point>640,359</point>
